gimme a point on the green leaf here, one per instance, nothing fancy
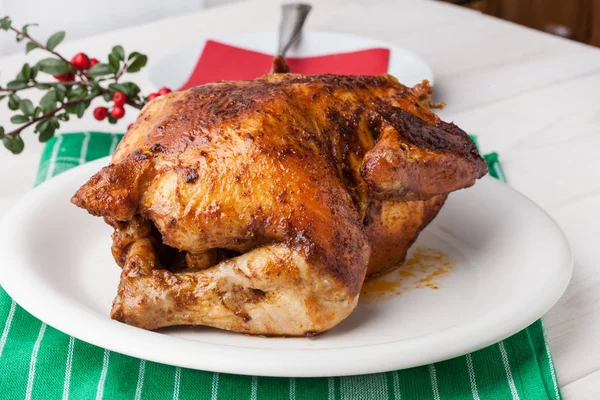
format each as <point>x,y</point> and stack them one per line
<point>93,93</point>
<point>19,119</point>
<point>13,101</point>
<point>26,27</point>
<point>71,108</point>
<point>26,72</point>
<point>96,89</point>
<point>112,119</point>
<point>77,92</point>
<point>1,132</point>
<point>55,40</point>
<point>42,125</point>
<point>21,36</point>
<point>63,117</point>
<point>43,86</point>
<point>34,71</point>
<point>30,46</point>
<point>135,89</point>
<point>2,97</point>
<point>48,102</point>
<point>106,96</point>
<point>138,63</point>
<point>46,135</point>
<point>5,23</point>
<point>133,55</point>
<point>46,129</point>
<point>61,92</point>
<point>80,109</point>
<point>13,143</point>
<point>95,85</point>
<point>37,112</point>
<point>121,87</point>
<point>27,108</point>
<point>119,53</point>
<point>16,85</point>
<point>100,69</point>
<point>53,66</point>
<point>114,63</point>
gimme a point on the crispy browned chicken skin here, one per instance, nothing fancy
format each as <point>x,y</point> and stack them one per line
<point>260,206</point>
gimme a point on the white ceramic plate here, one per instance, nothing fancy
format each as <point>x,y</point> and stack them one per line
<point>174,69</point>
<point>512,263</point>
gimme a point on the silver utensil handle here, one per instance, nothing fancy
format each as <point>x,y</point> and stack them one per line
<point>292,20</point>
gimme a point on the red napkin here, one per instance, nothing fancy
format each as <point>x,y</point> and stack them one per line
<point>220,61</point>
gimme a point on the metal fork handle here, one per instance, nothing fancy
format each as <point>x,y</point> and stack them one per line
<point>292,20</point>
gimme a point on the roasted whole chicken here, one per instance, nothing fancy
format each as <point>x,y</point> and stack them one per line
<point>260,206</point>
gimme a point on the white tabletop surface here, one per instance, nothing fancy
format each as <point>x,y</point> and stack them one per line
<point>530,96</point>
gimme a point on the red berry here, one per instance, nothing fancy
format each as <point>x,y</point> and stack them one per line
<point>152,96</point>
<point>164,90</point>
<point>81,61</point>
<point>119,98</point>
<point>93,61</point>
<point>100,113</point>
<point>118,112</point>
<point>66,77</point>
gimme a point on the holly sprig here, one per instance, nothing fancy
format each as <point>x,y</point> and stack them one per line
<point>69,85</point>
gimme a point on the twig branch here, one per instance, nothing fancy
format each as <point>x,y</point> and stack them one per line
<point>38,44</point>
<point>134,104</point>
<point>83,87</point>
<point>78,72</point>
<point>123,69</point>
<point>70,83</point>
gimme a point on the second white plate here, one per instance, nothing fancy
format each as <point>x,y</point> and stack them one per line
<point>511,264</point>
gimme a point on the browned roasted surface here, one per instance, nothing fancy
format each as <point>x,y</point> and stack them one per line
<point>240,205</point>
<point>393,226</point>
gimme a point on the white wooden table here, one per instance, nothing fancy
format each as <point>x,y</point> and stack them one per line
<point>530,96</point>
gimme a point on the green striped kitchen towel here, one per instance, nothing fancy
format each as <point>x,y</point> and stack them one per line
<point>39,362</point>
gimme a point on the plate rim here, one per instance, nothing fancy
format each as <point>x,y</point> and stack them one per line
<point>226,358</point>
<point>230,39</point>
